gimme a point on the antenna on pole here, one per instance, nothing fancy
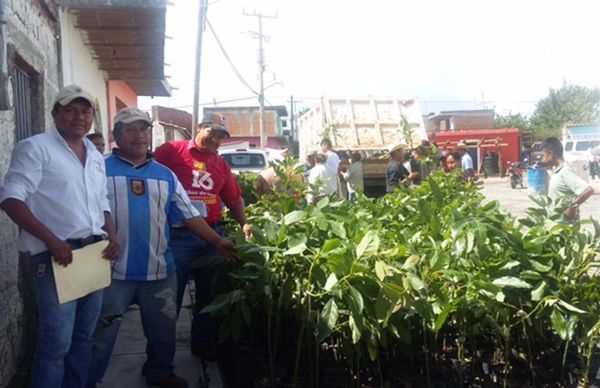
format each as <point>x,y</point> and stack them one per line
<point>261,71</point>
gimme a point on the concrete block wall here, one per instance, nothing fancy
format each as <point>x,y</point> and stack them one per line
<point>29,32</point>
<point>247,123</point>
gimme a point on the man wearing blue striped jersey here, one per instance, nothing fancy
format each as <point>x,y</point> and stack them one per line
<point>145,198</point>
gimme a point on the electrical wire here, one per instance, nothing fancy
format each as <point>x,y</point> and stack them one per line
<point>235,70</point>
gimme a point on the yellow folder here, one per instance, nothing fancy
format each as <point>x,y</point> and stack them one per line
<point>88,272</point>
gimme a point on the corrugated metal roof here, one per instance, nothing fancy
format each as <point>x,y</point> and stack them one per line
<point>126,38</point>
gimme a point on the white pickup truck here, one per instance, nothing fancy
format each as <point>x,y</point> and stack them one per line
<point>245,159</point>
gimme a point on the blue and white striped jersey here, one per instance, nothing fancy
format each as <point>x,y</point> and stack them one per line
<point>144,200</point>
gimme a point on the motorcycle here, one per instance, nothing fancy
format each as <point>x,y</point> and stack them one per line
<point>515,170</point>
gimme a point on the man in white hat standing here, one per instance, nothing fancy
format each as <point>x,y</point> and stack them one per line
<point>396,174</point>
<point>55,191</point>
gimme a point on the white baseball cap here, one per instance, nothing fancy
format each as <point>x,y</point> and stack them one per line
<point>130,115</point>
<point>69,93</point>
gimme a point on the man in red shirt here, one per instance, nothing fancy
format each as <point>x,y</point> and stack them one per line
<point>209,182</point>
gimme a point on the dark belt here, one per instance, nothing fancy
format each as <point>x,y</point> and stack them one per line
<point>212,225</point>
<point>82,242</point>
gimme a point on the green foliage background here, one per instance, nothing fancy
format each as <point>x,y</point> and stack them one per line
<point>411,278</point>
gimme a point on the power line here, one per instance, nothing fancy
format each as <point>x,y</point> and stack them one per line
<point>235,70</point>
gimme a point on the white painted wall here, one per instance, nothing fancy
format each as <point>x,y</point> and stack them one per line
<point>79,67</point>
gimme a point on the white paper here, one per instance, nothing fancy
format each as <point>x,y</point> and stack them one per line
<point>88,272</point>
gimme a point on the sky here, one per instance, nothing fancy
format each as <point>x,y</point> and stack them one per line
<point>486,54</point>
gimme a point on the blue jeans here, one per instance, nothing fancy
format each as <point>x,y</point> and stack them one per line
<point>210,278</point>
<point>157,308</point>
<point>63,350</point>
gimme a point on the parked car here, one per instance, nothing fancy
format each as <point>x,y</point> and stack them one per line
<point>245,159</point>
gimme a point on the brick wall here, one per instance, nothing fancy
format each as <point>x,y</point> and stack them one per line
<point>476,122</point>
<point>29,33</point>
<point>245,122</point>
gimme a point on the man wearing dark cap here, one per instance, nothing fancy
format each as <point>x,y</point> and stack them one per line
<point>55,191</point>
<point>209,182</point>
<point>145,197</point>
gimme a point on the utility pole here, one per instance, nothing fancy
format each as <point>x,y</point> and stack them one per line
<point>293,129</point>
<point>261,71</point>
<point>201,21</point>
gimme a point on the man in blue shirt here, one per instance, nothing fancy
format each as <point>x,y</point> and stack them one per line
<point>145,198</point>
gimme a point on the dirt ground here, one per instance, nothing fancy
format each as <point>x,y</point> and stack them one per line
<point>516,201</point>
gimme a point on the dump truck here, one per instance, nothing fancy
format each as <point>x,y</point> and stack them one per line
<point>369,125</point>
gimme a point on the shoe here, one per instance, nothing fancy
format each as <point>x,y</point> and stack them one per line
<point>206,351</point>
<point>170,381</point>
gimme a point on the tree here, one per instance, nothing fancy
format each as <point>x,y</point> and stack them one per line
<point>571,104</point>
<point>512,121</point>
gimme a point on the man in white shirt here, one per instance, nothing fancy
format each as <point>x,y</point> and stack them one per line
<point>55,191</point>
<point>354,176</point>
<point>333,160</point>
<point>325,179</point>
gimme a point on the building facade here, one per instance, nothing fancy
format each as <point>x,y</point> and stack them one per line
<point>460,120</point>
<point>102,45</point>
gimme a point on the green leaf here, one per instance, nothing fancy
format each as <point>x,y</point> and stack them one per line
<point>411,261</point>
<point>298,249</point>
<point>322,203</point>
<point>368,246</point>
<point>356,300</point>
<point>541,267</point>
<point>338,229</point>
<point>293,217</point>
<point>570,307</point>
<point>558,322</point>
<point>416,283</point>
<point>356,332</point>
<point>328,319</point>
<point>510,264</point>
<point>538,293</point>
<point>331,281</point>
<point>441,318</point>
<point>297,239</point>
<point>382,270</point>
<point>321,221</point>
<point>330,245</point>
<point>511,281</point>
<point>500,297</point>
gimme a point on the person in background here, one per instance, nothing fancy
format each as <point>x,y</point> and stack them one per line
<point>147,195</point>
<point>564,182</point>
<point>396,173</point>
<point>420,163</point>
<point>324,177</point>
<point>343,166</point>
<point>309,163</point>
<point>452,161</point>
<point>98,141</point>
<point>55,191</point>
<point>209,182</point>
<point>466,162</point>
<point>353,176</point>
<point>593,162</point>
<point>333,160</point>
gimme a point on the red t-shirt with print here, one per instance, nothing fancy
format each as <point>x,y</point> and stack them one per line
<point>205,176</point>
